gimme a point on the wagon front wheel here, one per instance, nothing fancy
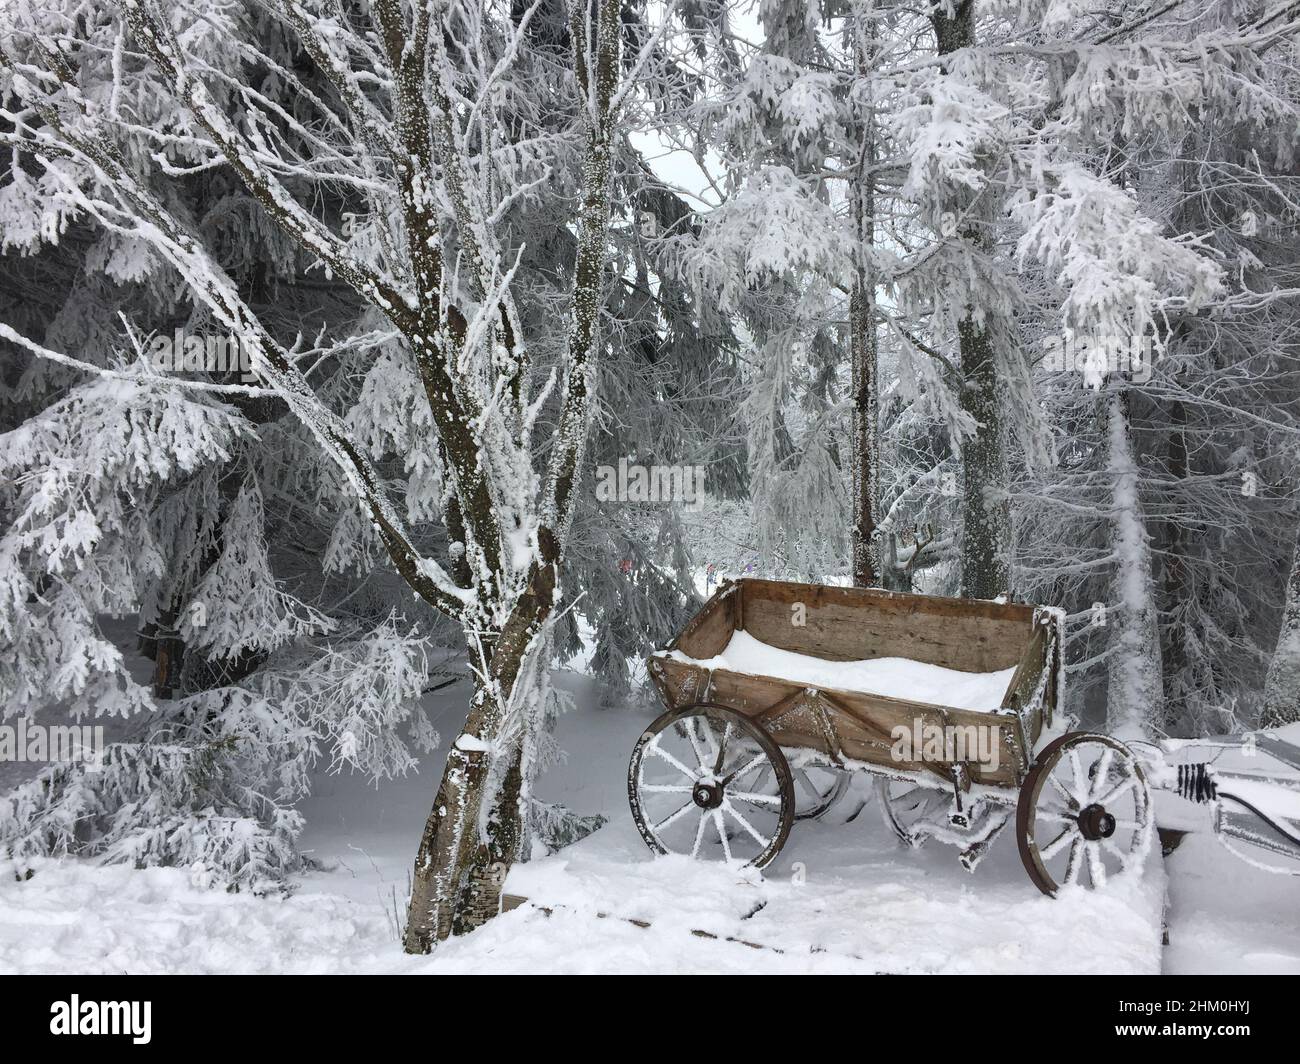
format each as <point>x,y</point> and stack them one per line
<point>707,782</point>
<point>1084,813</point>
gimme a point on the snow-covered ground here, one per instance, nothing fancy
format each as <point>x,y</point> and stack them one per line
<point>841,897</point>
<point>1225,915</point>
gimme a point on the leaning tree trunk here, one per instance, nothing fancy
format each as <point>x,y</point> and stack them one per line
<point>1134,689</point>
<point>450,839</point>
<point>476,827</point>
<point>1282,685</point>
<point>478,822</point>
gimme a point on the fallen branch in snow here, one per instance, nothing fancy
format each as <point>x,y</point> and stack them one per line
<point>510,902</point>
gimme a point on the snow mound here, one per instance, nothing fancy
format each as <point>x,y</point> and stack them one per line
<point>847,899</point>
<point>79,916</point>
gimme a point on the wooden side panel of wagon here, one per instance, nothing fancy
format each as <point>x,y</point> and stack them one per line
<point>1104,832</point>
<point>853,623</point>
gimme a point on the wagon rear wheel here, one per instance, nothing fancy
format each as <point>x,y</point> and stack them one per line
<point>906,806</point>
<point>706,782</point>
<point>1084,813</point>
<point>817,787</point>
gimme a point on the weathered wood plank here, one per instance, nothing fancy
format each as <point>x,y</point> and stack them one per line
<point>710,630</point>
<point>864,723</point>
<point>1037,657</point>
<point>844,624</point>
<point>841,624</point>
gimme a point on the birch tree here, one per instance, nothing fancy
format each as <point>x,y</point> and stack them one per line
<point>414,128</point>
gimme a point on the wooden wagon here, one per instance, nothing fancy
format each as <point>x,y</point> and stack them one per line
<point>746,748</point>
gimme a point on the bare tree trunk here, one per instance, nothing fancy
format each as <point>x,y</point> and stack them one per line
<point>866,438</point>
<point>1282,685</point>
<point>865,459</point>
<point>450,843</point>
<point>460,869</point>
<point>986,517</point>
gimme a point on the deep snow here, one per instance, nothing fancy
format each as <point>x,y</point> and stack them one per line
<point>840,897</point>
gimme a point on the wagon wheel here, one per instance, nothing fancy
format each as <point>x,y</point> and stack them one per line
<point>906,805</point>
<point>1084,805</point>
<point>707,782</point>
<point>817,787</point>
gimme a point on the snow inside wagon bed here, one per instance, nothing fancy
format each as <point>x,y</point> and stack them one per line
<point>842,897</point>
<point>917,681</point>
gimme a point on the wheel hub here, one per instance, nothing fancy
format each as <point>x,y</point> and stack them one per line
<point>707,795</point>
<point>1096,823</point>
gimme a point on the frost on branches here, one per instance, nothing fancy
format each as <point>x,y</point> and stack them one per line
<point>405,175</point>
<point>454,285</point>
<point>1010,179</point>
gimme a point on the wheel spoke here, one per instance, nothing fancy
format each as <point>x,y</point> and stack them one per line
<point>1047,805</point>
<point>1071,802</point>
<point>706,734</point>
<point>694,737</point>
<point>665,788</point>
<point>754,798</point>
<point>699,833</point>
<point>722,833</point>
<point>1059,816</point>
<point>1075,865</point>
<point>1117,853</point>
<point>672,818</point>
<point>1101,769</point>
<point>915,800</point>
<point>655,748</point>
<point>759,758</point>
<point>1117,790</point>
<point>746,825</point>
<point>1057,844</point>
<point>722,749</point>
<point>1080,779</point>
<point>1096,869</point>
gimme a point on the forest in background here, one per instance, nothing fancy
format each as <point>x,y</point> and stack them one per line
<point>977,298</point>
